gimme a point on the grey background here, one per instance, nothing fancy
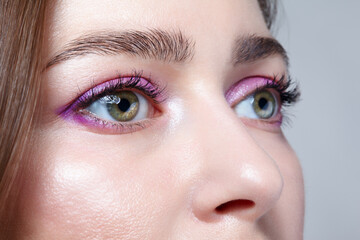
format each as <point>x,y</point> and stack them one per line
<point>323,41</point>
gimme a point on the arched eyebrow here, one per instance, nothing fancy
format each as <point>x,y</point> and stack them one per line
<point>155,44</point>
<point>251,48</point>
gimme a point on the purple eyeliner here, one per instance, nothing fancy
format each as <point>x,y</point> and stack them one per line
<point>74,111</point>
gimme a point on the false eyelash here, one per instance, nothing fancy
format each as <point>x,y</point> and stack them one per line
<point>152,90</point>
<point>287,88</point>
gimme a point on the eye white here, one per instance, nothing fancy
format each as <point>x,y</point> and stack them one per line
<point>245,108</point>
<point>99,109</point>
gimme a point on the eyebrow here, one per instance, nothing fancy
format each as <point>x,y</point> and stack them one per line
<point>155,44</point>
<point>164,46</point>
<point>251,48</point>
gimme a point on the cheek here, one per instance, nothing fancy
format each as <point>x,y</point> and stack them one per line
<point>95,191</point>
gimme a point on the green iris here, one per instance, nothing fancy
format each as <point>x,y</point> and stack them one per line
<point>127,107</point>
<point>264,104</point>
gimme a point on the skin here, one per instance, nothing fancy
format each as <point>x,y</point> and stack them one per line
<point>167,180</point>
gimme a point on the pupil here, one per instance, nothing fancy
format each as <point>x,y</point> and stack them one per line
<point>124,105</point>
<point>263,103</point>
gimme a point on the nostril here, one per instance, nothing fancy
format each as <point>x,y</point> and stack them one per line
<point>234,206</point>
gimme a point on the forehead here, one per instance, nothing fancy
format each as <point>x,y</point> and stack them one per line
<point>69,19</point>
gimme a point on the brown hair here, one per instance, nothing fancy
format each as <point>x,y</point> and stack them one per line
<point>21,32</point>
<point>21,25</point>
<point>269,11</point>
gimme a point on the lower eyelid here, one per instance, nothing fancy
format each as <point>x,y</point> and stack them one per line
<point>86,120</point>
<point>89,121</point>
<point>270,125</point>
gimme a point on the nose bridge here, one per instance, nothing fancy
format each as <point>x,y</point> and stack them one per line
<point>237,176</point>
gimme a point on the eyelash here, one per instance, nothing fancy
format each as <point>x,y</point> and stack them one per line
<point>285,87</point>
<point>288,90</point>
<point>75,110</point>
<point>151,90</point>
<point>289,94</point>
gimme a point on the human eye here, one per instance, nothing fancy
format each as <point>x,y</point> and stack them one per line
<point>118,106</point>
<point>262,99</point>
<point>124,106</point>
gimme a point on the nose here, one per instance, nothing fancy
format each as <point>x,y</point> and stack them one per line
<point>237,177</point>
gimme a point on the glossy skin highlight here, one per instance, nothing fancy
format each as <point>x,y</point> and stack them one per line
<point>195,171</point>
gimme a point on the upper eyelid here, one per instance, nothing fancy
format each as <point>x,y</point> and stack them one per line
<point>287,90</point>
<point>83,100</point>
<point>153,92</point>
<point>247,86</point>
<point>100,95</point>
<point>256,90</point>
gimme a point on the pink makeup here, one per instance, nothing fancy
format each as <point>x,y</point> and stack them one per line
<point>287,90</point>
<point>76,111</point>
<point>244,88</point>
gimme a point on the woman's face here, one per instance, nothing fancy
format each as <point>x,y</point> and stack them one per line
<point>161,120</point>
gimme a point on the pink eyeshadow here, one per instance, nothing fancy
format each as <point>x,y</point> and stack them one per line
<point>243,88</point>
<point>69,111</point>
